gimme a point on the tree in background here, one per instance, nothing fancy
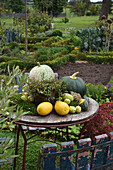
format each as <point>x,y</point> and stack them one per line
<point>16,5</point>
<point>110,9</point>
<point>54,7</point>
<point>105,8</point>
<point>80,6</point>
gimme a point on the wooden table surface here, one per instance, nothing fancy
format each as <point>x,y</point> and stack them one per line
<point>55,119</point>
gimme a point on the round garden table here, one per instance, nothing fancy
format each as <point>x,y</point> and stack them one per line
<point>53,120</point>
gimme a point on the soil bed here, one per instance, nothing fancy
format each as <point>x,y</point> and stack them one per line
<point>89,72</point>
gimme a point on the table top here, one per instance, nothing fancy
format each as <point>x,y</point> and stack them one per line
<point>55,120</point>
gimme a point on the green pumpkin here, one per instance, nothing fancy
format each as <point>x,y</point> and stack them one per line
<point>75,84</point>
<point>42,73</point>
<point>84,104</point>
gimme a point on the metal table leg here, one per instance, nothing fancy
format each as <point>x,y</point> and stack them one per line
<point>16,149</point>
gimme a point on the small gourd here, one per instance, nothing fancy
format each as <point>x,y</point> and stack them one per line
<point>42,73</point>
<point>75,84</point>
<point>84,104</point>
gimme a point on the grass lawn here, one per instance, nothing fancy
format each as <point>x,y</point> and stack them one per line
<point>76,22</point>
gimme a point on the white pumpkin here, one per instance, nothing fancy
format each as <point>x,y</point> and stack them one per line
<point>42,73</point>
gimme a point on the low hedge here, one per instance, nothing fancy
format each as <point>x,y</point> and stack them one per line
<point>99,59</point>
<point>59,61</point>
<point>6,58</point>
<point>22,64</point>
<point>34,39</point>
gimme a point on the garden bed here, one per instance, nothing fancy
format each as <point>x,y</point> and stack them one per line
<point>89,72</point>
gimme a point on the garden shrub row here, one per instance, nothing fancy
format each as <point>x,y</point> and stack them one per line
<point>60,59</point>
<point>100,59</point>
<point>33,39</point>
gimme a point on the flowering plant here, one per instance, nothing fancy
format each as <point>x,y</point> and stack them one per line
<point>102,122</point>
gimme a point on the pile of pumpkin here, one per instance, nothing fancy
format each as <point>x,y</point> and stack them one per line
<point>73,101</point>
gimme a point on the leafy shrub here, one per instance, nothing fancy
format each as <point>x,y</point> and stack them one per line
<point>99,59</point>
<point>66,41</point>
<point>92,39</point>
<point>13,45</point>
<point>95,91</point>
<point>110,89</point>
<point>57,33</point>
<point>80,56</point>
<point>49,41</point>
<point>48,33</point>
<point>72,58</point>
<point>43,58</point>
<point>16,53</point>
<point>41,51</point>
<point>6,51</point>
<point>102,122</point>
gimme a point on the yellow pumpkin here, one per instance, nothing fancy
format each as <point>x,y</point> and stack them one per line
<point>44,108</point>
<point>61,108</point>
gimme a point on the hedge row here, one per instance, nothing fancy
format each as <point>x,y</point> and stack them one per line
<point>59,61</point>
<point>33,39</point>
<point>100,59</point>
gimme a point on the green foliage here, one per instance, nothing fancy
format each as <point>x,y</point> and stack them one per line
<point>16,6</point>
<point>48,33</point>
<point>65,20</point>
<point>99,59</point>
<point>7,89</point>
<point>106,27</point>
<point>51,7</point>
<point>48,91</point>
<point>79,7</point>
<point>6,51</point>
<point>26,105</point>
<point>79,55</point>
<point>33,39</point>
<point>92,39</point>
<point>95,91</point>
<point>49,41</point>
<point>57,33</point>
<point>12,35</point>
<point>72,58</point>
<point>12,45</point>
<point>38,22</point>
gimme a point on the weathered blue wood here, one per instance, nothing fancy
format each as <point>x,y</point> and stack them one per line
<point>98,154</point>
<point>110,152</point>
<point>18,81</point>
<point>102,155</point>
<point>82,158</point>
<point>49,163</point>
<point>66,161</point>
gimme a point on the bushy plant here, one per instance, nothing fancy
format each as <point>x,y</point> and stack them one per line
<point>48,33</point>
<point>102,122</point>
<point>13,45</point>
<point>105,26</point>
<point>39,22</point>
<point>6,51</point>
<point>57,33</point>
<point>7,89</point>
<point>95,91</point>
<point>109,87</point>
<point>92,39</point>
